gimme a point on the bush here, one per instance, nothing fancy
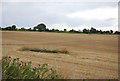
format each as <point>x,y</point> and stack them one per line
<point>15,69</point>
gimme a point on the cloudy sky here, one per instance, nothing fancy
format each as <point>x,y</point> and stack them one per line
<point>60,15</point>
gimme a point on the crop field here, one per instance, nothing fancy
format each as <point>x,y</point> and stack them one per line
<point>89,56</point>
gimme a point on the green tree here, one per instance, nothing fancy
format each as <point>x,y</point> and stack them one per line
<point>53,30</point>
<point>29,29</point>
<point>72,30</point>
<point>56,30</point>
<point>93,30</point>
<point>65,30</point>
<point>85,31</point>
<point>8,28</point>
<point>22,29</point>
<point>111,31</point>
<point>101,32</point>
<point>47,30</point>
<point>41,27</point>
<point>13,27</point>
<point>117,32</point>
<point>35,28</point>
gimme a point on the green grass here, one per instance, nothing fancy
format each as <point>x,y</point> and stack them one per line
<point>44,50</point>
<point>16,69</point>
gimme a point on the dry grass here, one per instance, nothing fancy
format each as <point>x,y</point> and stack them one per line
<point>90,56</point>
<point>25,49</point>
<point>64,50</point>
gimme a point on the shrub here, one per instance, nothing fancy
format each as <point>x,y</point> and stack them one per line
<point>15,69</point>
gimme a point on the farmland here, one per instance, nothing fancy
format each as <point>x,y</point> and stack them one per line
<point>90,56</point>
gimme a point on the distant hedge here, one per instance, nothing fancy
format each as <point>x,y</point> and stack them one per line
<point>42,27</point>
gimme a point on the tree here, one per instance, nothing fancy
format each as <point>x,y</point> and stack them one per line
<point>93,30</point>
<point>35,28</point>
<point>111,31</point>
<point>22,29</point>
<point>117,32</point>
<point>53,30</point>
<point>29,29</point>
<point>85,31</point>
<point>47,30</point>
<point>107,32</point>
<point>65,30</point>
<point>41,27</point>
<point>101,32</point>
<point>13,27</point>
<point>8,28</point>
<point>56,30</point>
<point>72,30</point>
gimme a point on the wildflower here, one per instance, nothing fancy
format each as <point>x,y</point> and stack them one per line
<point>5,60</point>
<point>47,64</point>
<point>52,69</point>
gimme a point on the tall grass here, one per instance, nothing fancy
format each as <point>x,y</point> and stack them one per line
<point>16,69</point>
<point>64,50</point>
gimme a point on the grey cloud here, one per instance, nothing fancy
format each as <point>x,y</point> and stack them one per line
<point>30,14</point>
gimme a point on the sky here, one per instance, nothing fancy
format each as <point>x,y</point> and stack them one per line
<point>62,14</point>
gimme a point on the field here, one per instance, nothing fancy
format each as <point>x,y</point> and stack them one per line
<point>90,56</point>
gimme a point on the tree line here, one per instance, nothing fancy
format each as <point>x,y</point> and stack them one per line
<point>42,27</point>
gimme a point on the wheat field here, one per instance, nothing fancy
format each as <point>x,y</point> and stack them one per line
<point>90,56</point>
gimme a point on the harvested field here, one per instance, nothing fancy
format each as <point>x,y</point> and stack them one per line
<point>90,56</point>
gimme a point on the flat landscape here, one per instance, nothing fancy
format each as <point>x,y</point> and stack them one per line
<point>90,56</point>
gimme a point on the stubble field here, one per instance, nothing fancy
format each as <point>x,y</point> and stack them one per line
<point>90,56</point>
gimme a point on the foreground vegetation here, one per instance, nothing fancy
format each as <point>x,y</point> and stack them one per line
<point>16,69</point>
<point>42,28</point>
<point>13,69</point>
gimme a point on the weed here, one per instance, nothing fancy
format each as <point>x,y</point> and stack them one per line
<point>15,69</point>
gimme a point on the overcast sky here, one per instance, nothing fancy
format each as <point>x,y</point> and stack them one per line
<point>60,15</point>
